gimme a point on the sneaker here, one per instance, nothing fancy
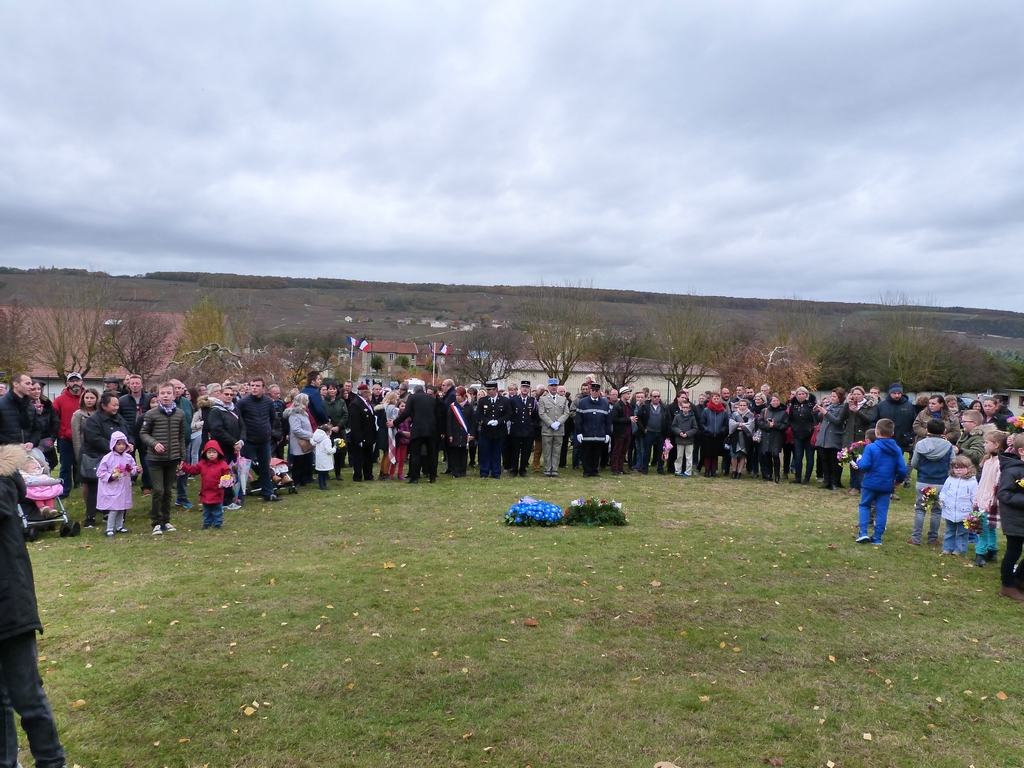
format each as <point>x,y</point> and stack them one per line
<point>914,543</point>
<point>89,524</point>
<point>147,492</point>
<point>122,529</point>
<point>863,539</point>
<point>686,474</point>
<point>205,526</point>
<point>233,505</point>
<point>273,497</point>
<point>168,528</point>
<point>110,533</point>
<point>876,543</point>
<point>183,504</point>
<point>158,531</point>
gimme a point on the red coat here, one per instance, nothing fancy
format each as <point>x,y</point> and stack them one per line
<point>210,473</point>
<point>65,404</point>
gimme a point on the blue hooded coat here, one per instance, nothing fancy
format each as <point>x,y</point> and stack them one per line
<point>883,465</point>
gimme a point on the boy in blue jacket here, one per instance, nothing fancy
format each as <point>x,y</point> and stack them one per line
<point>883,469</point>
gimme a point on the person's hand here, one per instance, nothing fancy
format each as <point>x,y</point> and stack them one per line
<point>633,419</point>
<point>579,438</point>
<point>556,424</point>
<point>27,446</point>
<point>469,438</point>
<point>854,465</point>
<point>130,449</point>
<point>451,440</point>
<point>391,423</point>
<point>159,448</point>
<point>238,446</point>
<point>607,439</point>
<point>492,423</point>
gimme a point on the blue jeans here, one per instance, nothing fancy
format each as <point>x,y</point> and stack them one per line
<point>955,539</point>
<point>802,449</point>
<point>652,441</point>
<point>855,478</point>
<point>259,454</point>
<point>21,691</point>
<point>880,500</point>
<point>213,514</point>
<point>66,452</point>
<point>490,456</point>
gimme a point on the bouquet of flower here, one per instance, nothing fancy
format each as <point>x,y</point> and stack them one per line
<point>339,443</point>
<point>226,481</point>
<point>976,521</point>
<point>1015,424</point>
<point>666,448</point>
<point>531,511</point>
<point>594,512</point>
<point>851,454</point>
<point>929,496</point>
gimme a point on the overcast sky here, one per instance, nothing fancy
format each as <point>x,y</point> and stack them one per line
<point>821,150</point>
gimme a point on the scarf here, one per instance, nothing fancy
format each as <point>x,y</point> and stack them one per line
<point>716,407</point>
<point>168,409</point>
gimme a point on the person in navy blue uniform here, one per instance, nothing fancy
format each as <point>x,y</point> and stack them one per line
<point>523,417</point>
<point>593,429</point>
<point>492,416</point>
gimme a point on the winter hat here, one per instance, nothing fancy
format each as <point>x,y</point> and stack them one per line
<point>895,387</point>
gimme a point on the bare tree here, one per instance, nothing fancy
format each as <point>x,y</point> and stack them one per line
<point>70,330</point>
<point>139,341</point>
<point>623,354</point>
<point>486,353</point>
<point>558,320</point>
<point>15,352</point>
<point>911,346</point>
<point>204,324</point>
<point>691,336</point>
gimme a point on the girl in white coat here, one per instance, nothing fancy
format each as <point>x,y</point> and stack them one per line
<point>323,451</point>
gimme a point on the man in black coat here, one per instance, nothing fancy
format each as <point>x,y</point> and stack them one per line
<point>259,416</point>
<point>362,441</point>
<point>492,414</point>
<point>19,424</point>
<point>524,408</point>
<point>224,425</point>
<point>897,407</point>
<point>21,687</point>
<point>422,409</point>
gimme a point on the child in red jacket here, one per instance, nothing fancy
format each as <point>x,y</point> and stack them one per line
<point>214,476</point>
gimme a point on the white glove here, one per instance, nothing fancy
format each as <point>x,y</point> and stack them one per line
<point>607,439</point>
<point>492,423</point>
<point>579,438</point>
<point>508,427</point>
<point>556,424</point>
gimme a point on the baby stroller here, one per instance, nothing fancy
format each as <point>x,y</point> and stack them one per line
<point>282,476</point>
<point>48,511</point>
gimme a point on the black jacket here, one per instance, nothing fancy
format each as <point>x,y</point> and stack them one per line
<point>132,414</point>
<point>500,410</point>
<point>19,422</point>
<point>524,413</point>
<point>454,430</point>
<point>49,425</point>
<point>902,415</point>
<point>361,421</point>
<point>421,408</point>
<point>801,418</point>
<point>621,425</point>
<point>259,416</point>
<point>18,612</point>
<point>97,431</point>
<point>643,416</point>
<point>226,427</point>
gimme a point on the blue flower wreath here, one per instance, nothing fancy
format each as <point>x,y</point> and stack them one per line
<point>531,511</point>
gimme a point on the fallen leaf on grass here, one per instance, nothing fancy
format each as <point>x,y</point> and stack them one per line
<point>184,741</point>
<point>832,659</point>
<point>531,622</point>
<point>620,587</point>
<point>655,583</point>
<point>174,622</point>
<point>1001,696</point>
<point>705,698</point>
<point>389,565</point>
<point>78,703</point>
<point>866,737</point>
<point>776,761</point>
<point>665,764</point>
<point>468,735</point>
<point>832,546</point>
<point>249,711</point>
<point>830,764</point>
<point>156,743</point>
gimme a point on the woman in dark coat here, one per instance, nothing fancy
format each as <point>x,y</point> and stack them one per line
<point>830,439</point>
<point>801,423</point>
<point>773,423</point>
<point>714,425</point>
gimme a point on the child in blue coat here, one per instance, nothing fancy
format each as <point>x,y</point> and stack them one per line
<point>882,468</point>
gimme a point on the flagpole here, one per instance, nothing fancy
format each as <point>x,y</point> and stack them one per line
<point>433,366</point>
<point>351,355</point>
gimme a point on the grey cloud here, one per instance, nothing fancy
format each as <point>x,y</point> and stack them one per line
<point>759,149</point>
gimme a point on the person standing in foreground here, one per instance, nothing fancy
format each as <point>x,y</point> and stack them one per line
<point>492,415</point>
<point>21,687</point>
<point>421,408</point>
<point>882,467</point>
<point>164,433</point>
<point>553,410</point>
<point>1011,516</point>
<point>593,429</point>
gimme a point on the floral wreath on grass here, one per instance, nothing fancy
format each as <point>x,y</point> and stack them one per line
<point>531,511</point>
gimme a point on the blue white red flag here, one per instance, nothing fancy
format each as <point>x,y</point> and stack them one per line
<point>364,345</point>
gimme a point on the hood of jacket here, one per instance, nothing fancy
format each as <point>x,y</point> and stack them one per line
<point>204,402</point>
<point>115,436</point>
<point>214,445</point>
<point>889,446</point>
<point>1008,461</point>
<point>12,457</point>
<point>933,448</point>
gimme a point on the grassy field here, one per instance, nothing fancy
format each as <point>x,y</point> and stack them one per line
<point>730,623</point>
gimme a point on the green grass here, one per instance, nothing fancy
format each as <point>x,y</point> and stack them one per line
<point>718,628</point>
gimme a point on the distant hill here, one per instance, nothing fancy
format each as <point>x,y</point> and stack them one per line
<point>381,310</point>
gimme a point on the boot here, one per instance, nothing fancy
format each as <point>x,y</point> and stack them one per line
<point>979,561</point>
<point>991,555</point>
<point>1011,592</point>
<point>777,479</point>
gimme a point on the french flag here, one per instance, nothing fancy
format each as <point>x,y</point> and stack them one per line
<point>364,345</point>
<point>443,350</point>
<point>353,341</point>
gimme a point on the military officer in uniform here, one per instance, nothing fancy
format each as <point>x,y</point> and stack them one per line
<point>492,416</point>
<point>523,417</point>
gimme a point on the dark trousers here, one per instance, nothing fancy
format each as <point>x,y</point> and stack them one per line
<point>652,442</point>
<point>457,461</point>
<point>361,457</point>
<point>259,454</point>
<point>802,450</point>
<point>831,471</point>
<point>522,448</point>
<point>509,454</point>
<point>590,457</point>
<point>1008,567</point>
<point>164,475</point>
<point>563,455</point>
<point>490,456</point>
<point>422,458</point>
<point>21,691</point>
<point>90,488</point>
<point>143,462</point>
<point>68,470</point>
<point>619,447</point>
<point>339,461</point>
<point>771,465</point>
<point>472,454</point>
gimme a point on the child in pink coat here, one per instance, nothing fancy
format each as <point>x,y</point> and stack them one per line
<point>114,483</point>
